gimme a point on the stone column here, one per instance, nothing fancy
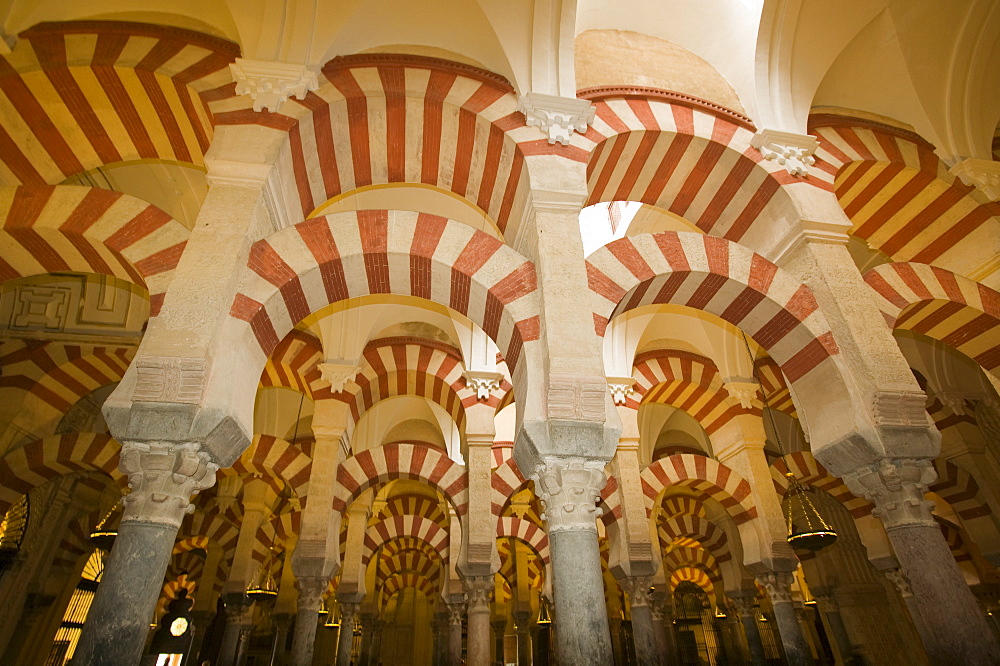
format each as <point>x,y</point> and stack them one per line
<point>954,631</point>
<point>477,595</point>
<point>522,620</point>
<point>439,628</point>
<point>569,489</point>
<point>456,613</point>
<point>499,628</point>
<point>662,623</point>
<point>898,580</point>
<point>49,513</point>
<point>827,605</point>
<point>744,606</point>
<point>779,588</point>
<point>306,618</point>
<point>163,477</point>
<point>643,632</point>
<point>205,602</point>
<point>281,622</point>
<point>349,613</point>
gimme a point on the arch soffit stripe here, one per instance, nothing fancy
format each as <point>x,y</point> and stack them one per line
<point>712,478</point>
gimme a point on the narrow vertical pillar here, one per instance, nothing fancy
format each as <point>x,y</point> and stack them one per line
<point>307,618</point>
<point>349,613</point>
<point>477,591</point>
<point>499,629</point>
<point>827,605</point>
<point>643,633</point>
<point>163,477</point>
<point>569,490</point>
<point>521,621</point>
<point>456,613</point>
<point>898,580</point>
<point>281,622</point>
<point>951,626</point>
<point>207,599</point>
<point>659,613</point>
<point>779,588</point>
<point>744,606</point>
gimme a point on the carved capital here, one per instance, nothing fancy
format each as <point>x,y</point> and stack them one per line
<point>557,117</point>
<point>742,391</point>
<point>482,382</point>
<point>456,612</point>
<point>778,585</point>
<point>311,592</point>
<point>637,588</point>
<point>899,581</point>
<point>953,401</point>
<point>620,388</point>
<point>827,603</point>
<point>338,373</point>
<point>349,613</point>
<point>744,605</point>
<point>896,487</point>
<point>477,592</point>
<point>981,174</point>
<point>570,490</point>
<point>163,476</point>
<point>792,151</point>
<point>270,83</point>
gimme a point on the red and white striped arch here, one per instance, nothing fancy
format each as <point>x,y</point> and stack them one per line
<point>686,156</point>
<point>426,563</point>
<point>82,94</point>
<point>505,480</point>
<point>709,477</point>
<point>293,363</point>
<point>412,580</point>
<point>960,489</point>
<point>416,527</point>
<point>693,575</point>
<point>33,464</point>
<point>689,382</point>
<point>900,196</point>
<point>221,528</point>
<point>810,472</point>
<point>719,277</point>
<point>528,532</point>
<point>299,270</point>
<point>533,571</point>
<point>385,118</point>
<point>375,467</point>
<point>88,230</point>
<point>54,377</point>
<point>708,536</point>
<point>272,457</point>
<point>415,505</point>
<point>942,305</point>
<point>672,507</point>
<point>774,386</point>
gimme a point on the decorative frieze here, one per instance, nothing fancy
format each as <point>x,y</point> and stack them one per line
<point>169,379</point>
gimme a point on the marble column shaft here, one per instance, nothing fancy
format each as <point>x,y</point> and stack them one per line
<point>744,606</point>
<point>456,611</point>
<point>307,618</point>
<point>643,633</point>
<point>163,477</point>
<point>570,491</point>
<point>349,615</point>
<point>951,625</point>
<point>779,588</point>
<point>477,591</point>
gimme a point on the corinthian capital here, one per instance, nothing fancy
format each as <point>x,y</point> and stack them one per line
<point>896,487</point>
<point>570,490</point>
<point>637,588</point>
<point>163,476</point>
<point>477,591</point>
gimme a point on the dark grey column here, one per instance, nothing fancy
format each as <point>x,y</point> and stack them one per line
<point>348,617</point>
<point>499,628</point>
<point>456,613</point>
<point>281,622</point>
<point>827,605</point>
<point>779,588</point>
<point>660,613</point>
<point>569,490</point>
<point>744,605</point>
<point>522,620</point>
<point>307,618</point>
<point>643,632</point>
<point>163,477</point>
<point>952,628</point>
<point>239,615</point>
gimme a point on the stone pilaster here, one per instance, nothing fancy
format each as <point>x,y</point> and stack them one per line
<point>779,588</point>
<point>958,632</point>
<point>569,490</point>
<point>163,476</point>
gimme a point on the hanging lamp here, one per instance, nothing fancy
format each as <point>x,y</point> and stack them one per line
<point>543,613</point>
<point>263,588</point>
<point>105,532</point>
<point>332,617</point>
<point>807,529</point>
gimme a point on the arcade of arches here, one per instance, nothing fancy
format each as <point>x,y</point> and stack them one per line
<point>499,332</point>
